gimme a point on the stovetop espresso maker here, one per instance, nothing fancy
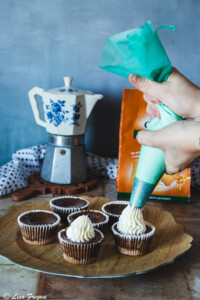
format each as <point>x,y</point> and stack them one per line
<point>66,110</point>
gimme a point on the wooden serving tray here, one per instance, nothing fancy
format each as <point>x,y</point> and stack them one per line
<point>169,242</point>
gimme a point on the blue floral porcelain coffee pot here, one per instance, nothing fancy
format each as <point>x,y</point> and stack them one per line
<point>66,109</point>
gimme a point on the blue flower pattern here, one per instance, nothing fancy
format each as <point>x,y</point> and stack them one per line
<point>76,114</point>
<point>56,113</point>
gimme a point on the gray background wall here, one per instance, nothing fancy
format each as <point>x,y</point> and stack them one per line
<point>43,40</point>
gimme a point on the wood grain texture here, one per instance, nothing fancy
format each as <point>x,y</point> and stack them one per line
<point>169,242</point>
<point>38,186</point>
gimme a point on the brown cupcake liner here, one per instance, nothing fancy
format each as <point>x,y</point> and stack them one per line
<point>63,212</point>
<point>113,217</point>
<point>133,244</point>
<point>80,253</point>
<point>100,225</point>
<point>38,234</point>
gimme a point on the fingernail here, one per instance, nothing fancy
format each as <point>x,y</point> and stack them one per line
<point>138,137</point>
<point>145,98</point>
<point>133,78</point>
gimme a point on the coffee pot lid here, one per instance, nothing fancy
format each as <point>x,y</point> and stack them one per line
<point>67,89</point>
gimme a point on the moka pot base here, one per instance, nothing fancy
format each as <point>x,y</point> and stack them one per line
<point>65,160</point>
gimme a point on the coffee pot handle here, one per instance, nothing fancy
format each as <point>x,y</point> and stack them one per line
<point>34,104</point>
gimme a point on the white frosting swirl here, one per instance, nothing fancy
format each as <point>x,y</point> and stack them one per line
<point>80,230</point>
<point>131,221</point>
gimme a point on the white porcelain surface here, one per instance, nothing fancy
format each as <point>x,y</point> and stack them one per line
<point>66,109</point>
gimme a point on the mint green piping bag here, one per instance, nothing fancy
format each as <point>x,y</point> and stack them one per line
<point>141,52</point>
<point>137,51</point>
<point>151,164</point>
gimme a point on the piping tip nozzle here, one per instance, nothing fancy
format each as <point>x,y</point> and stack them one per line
<point>140,192</point>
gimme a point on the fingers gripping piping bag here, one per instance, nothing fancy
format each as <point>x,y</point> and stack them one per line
<point>141,52</point>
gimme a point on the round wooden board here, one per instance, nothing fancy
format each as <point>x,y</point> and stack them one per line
<point>169,242</point>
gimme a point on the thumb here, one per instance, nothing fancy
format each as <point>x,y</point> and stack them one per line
<point>147,86</point>
<point>149,138</point>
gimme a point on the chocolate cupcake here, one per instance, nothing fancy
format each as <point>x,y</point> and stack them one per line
<point>132,234</point>
<point>99,219</point>
<point>80,242</point>
<point>133,244</point>
<point>38,227</point>
<point>65,205</point>
<point>114,209</point>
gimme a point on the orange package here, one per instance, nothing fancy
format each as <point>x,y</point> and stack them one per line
<point>133,118</point>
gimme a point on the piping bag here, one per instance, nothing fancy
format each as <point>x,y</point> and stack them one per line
<point>141,52</point>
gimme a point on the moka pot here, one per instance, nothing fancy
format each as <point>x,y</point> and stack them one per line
<point>66,111</point>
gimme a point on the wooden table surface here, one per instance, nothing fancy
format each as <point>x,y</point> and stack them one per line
<point>179,280</point>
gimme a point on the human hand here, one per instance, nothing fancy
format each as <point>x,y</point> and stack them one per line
<point>178,93</point>
<point>180,143</point>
